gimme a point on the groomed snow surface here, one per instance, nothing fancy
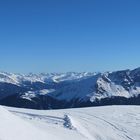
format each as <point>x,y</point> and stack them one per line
<point>95,123</point>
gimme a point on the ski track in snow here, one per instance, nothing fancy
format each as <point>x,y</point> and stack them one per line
<point>113,125</point>
<point>83,131</point>
<point>99,123</point>
<point>122,131</point>
<point>67,121</point>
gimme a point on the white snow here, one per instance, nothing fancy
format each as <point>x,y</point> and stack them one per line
<point>32,94</point>
<point>8,78</point>
<point>17,79</point>
<point>95,123</point>
<point>46,91</point>
<point>16,128</point>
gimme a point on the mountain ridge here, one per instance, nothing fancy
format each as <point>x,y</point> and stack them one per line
<point>67,90</point>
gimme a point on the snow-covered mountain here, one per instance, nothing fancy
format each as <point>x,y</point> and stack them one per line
<point>18,79</point>
<point>66,90</point>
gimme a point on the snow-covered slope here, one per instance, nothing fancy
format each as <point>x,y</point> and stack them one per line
<point>16,128</point>
<point>66,90</point>
<point>98,123</point>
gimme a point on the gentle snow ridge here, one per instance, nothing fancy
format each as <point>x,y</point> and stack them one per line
<point>14,128</point>
<point>98,123</point>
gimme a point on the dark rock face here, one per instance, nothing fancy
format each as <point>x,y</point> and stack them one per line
<point>115,88</point>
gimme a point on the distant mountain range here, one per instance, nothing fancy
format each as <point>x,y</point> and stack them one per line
<point>70,90</point>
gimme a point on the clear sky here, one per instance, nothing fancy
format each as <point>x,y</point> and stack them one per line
<point>69,35</point>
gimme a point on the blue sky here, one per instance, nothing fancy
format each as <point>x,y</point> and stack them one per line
<point>69,35</point>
